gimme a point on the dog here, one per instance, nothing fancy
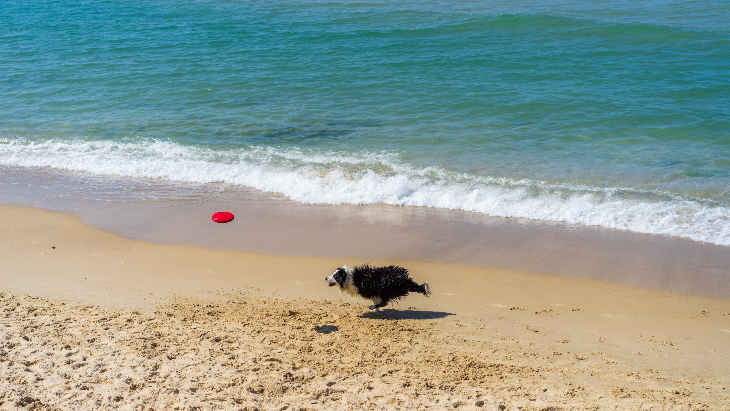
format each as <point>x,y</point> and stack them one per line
<point>379,284</point>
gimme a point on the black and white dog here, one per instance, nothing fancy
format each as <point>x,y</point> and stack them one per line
<point>379,284</point>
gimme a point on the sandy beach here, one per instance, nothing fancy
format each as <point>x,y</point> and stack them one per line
<point>93,320</point>
<point>558,172</point>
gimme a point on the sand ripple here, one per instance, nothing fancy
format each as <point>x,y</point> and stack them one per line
<point>249,353</point>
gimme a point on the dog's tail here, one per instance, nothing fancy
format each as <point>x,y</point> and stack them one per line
<point>425,289</point>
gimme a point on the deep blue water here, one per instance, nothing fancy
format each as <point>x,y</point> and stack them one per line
<point>604,113</point>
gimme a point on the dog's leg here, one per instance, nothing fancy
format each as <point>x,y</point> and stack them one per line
<point>377,306</point>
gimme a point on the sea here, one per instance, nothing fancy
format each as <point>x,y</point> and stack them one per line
<point>601,113</point>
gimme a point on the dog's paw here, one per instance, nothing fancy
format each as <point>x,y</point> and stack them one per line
<point>373,308</point>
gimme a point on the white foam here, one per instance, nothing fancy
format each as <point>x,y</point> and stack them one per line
<point>377,178</point>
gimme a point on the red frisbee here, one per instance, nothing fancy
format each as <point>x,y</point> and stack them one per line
<point>222,217</point>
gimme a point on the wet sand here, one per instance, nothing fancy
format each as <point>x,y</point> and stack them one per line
<point>91,320</point>
<point>172,213</point>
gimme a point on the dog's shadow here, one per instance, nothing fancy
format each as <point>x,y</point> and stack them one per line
<point>390,314</point>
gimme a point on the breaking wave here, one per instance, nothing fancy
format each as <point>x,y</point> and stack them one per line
<point>328,177</point>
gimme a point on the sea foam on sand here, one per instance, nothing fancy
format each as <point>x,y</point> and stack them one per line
<point>330,177</point>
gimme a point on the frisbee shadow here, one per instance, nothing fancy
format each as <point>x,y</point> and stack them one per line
<point>391,314</point>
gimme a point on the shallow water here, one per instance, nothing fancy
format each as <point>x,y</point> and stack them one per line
<point>613,114</point>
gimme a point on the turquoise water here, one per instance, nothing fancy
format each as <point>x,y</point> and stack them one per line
<point>614,114</point>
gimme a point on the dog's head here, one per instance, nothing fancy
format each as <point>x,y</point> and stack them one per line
<point>339,277</point>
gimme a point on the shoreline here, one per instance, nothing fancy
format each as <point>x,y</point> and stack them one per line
<point>272,224</point>
<point>586,343</point>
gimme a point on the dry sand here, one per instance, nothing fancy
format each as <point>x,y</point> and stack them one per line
<point>101,321</point>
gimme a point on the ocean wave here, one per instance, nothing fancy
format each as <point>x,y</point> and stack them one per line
<point>327,177</point>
